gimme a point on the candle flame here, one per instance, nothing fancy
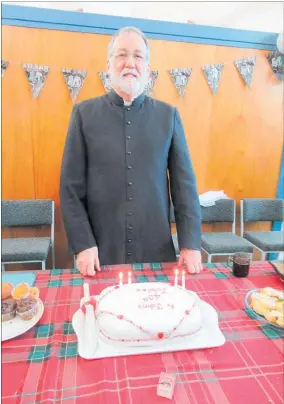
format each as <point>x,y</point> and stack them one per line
<point>176,271</point>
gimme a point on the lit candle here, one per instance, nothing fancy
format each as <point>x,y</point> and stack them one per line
<point>120,275</point>
<point>176,277</point>
<point>129,277</point>
<point>183,279</point>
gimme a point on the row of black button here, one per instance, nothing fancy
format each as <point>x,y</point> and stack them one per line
<point>130,183</point>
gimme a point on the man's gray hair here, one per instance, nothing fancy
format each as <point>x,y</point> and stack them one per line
<point>125,30</point>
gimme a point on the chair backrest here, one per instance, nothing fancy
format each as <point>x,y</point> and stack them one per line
<point>262,210</point>
<point>223,211</point>
<point>28,212</point>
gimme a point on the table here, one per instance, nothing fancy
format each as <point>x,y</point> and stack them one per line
<point>42,366</point>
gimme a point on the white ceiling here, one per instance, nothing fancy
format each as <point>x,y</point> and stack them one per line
<point>254,15</point>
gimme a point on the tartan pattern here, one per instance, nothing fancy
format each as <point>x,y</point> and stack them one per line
<point>55,283</point>
<point>141,278</point>
<point>137,267</point>
<point>220,275</point>
<point>44,330</point>
<point>76,282</point>
<point>42,365</point>
<point>161,278</point>
<point>56,272</point>
<point>68,350</point>
<point>68,328</point>
<point>39,353</point>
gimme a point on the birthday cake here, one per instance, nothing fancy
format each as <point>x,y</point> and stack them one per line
<point>146,314</point>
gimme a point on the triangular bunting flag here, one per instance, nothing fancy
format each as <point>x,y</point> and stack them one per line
<point>105,80</point>
<point>180,78</point>
<point>276,61</point>
<point>36,76</point>
<point>4,65</point>
<point>151,82</point>
<point>245,68</point>
<point>213,74</point>
<point>74,80</point>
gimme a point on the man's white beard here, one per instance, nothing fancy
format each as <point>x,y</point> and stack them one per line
<point>128,85</point>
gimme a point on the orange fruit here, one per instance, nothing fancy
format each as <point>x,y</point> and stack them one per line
<point>21,291</point>
<point>6,290</point>
<point>34,292</point>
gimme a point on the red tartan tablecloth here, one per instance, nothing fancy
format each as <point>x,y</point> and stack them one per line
<point>42,365</point>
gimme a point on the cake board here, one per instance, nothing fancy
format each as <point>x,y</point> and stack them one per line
<point>210,336</point>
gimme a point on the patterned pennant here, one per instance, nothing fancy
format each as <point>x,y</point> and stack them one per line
<point>4,65</point>
<point>245,68</point>
<point>151,82</point>
<point>180,78</point>
<point>36,76</point>
<point>276,61</point>
<point>213,75</point>
<point>74,80</point>
<point>105,78</point>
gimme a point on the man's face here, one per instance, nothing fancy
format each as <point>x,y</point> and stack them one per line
<point>128,66</point>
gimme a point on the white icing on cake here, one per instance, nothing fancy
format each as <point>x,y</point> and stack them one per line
<point>147,314</point>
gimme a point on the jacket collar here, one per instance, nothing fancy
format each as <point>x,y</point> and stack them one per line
<point>117,100</point>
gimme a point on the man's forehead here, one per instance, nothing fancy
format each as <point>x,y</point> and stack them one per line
<point>130,40</point>
<point>121,48</point>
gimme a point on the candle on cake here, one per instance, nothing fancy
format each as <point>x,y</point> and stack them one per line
<point>183,279</point>
<point>120,275</point>
<point>176,277</point>
<point>129,277</point>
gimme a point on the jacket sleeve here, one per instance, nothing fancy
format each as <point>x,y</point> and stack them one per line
<point>183,190</point>
<point>73,188</point>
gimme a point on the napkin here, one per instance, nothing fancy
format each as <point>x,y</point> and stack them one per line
<point>209,198</point>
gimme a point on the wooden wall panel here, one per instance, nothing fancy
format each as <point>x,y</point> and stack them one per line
<point>17,144</point>
<point>235,137</point>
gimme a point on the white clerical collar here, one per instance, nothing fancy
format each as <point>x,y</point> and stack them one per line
<point>117,100</point>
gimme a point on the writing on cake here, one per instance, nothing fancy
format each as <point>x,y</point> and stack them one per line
<point>147,315</point>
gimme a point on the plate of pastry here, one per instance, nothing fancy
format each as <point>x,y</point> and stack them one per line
<point>21,309</point>
<point>267,306</point>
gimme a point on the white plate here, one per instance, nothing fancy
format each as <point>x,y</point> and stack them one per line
<point>17,326</point>
<point>210,336</point>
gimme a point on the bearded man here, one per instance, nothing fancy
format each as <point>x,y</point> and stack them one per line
<point>125,158</point>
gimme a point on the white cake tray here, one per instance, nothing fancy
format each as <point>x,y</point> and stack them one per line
<point>209,336</point>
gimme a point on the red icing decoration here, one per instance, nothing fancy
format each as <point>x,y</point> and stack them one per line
<point>116,287</point>
<point>187,312</point>
<point>160,335</point>
<point>120,317</point>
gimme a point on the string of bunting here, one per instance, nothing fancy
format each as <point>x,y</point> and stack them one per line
<point>75,78</point>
